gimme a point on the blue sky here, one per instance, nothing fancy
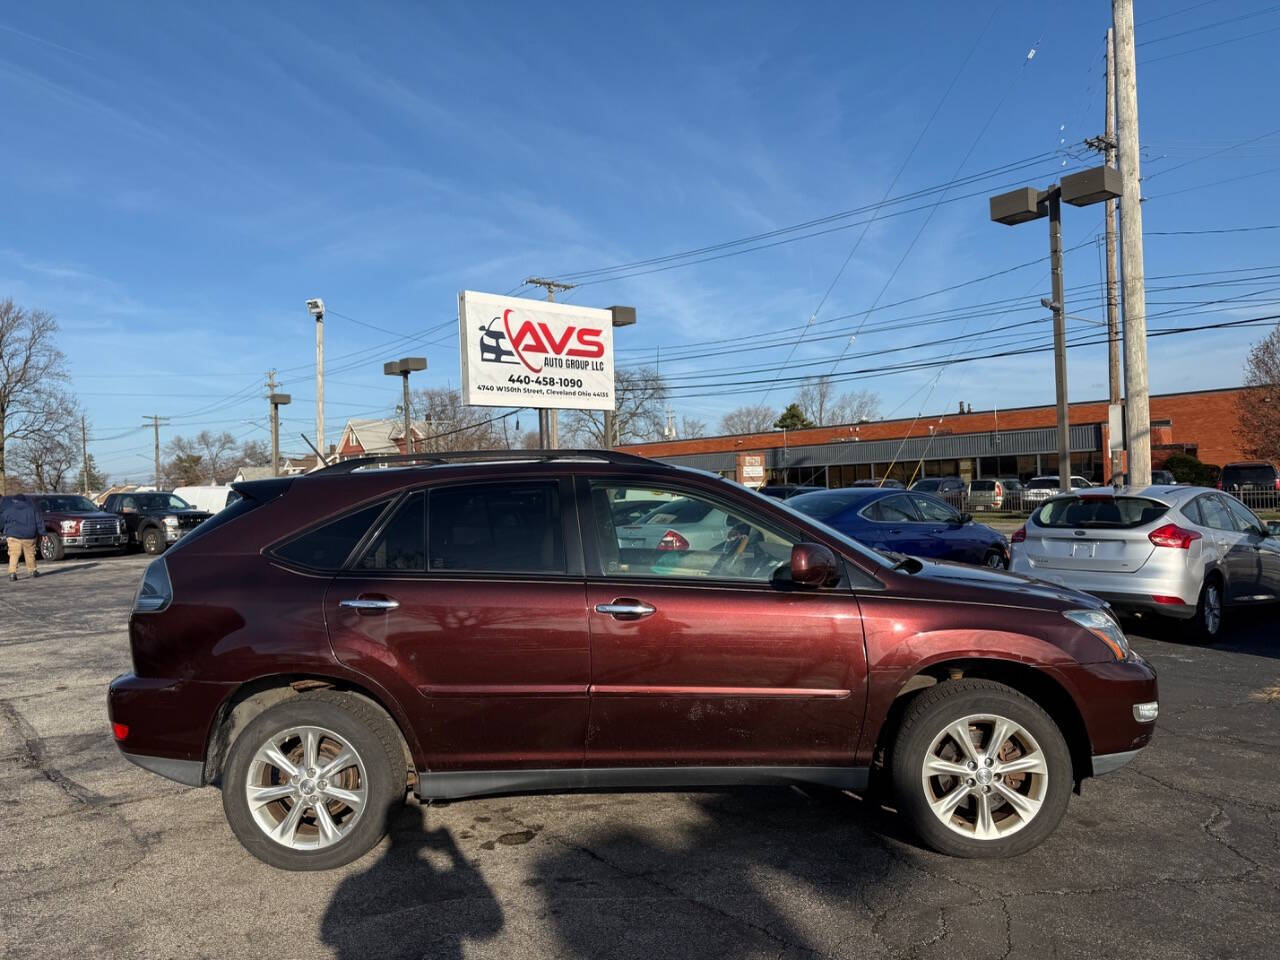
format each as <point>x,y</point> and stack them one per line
<point>179,179</point>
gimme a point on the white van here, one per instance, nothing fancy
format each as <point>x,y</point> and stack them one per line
<point>211,498</point>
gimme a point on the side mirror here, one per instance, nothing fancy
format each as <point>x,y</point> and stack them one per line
<point>813,565</point>
<point>966,518</point>
<point>1273,528</point>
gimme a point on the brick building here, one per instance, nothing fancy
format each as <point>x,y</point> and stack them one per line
<point>1016,442</point>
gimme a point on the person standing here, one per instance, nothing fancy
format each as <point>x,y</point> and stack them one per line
<point>23,525</point>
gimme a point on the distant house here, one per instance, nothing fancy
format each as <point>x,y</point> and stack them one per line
<point>362,438</point>
<point>289,467</point>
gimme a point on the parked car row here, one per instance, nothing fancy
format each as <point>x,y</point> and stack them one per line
<point>74,524</point>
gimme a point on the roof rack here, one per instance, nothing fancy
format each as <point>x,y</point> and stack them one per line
<point>436,459</point>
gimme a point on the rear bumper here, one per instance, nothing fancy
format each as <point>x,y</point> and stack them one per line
<point>168,722</point>
<point>1126,591</point>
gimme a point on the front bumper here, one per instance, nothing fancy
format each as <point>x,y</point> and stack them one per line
<point>1105,763</point>
<point>104,542</point>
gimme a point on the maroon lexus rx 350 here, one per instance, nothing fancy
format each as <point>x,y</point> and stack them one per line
<point>483,624</point>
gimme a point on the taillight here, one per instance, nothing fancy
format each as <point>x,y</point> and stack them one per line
<point>1220,483</point>
<point>999,490</point>
<point>1165,598</point>
<point>120,730</point>
<point>1172,535</point>
<point>673,541</point>
<point>1019,535</point>
<point>1278,483</point>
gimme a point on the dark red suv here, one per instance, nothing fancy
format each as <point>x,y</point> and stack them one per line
<point>480,624</point>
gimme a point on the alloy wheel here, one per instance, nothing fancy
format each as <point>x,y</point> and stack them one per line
<point>1212,608</point>
<point>985,777</point>
<point>306,788</point>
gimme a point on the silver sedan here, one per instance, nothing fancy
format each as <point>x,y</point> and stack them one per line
<point>1183,552</point>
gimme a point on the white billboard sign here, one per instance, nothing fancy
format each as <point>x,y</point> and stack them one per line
<point>533,353</point>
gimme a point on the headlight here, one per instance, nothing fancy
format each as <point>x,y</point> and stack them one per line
<point>70,526</point>
<point>1103,626</point>
<point>170,521</point>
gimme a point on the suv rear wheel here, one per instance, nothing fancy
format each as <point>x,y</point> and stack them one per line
<point>309,783</point>
<point>980,770</point>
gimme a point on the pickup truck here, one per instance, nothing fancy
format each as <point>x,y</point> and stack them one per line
<point>154,520</point>
<point>72,524</point>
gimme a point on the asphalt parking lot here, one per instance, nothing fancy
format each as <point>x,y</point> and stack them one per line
<point>1177,856</point>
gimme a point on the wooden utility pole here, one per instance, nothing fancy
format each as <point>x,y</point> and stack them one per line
<point>156,420</point>
<point>1137,390</point>
<point>549,418</point>
<point>84,456</point>
<point>1114,377</point>
<point>1059,339</point>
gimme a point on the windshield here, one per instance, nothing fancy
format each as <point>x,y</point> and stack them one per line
<point>982,485</point>
<point>66,505</point>
<point>926,485</point>
<point>1116,513</point>
<point>1239,476</point>
<point>160,501</point>
<point>1043,483</point>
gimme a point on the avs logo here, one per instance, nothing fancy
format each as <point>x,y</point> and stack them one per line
<point>534,344</point>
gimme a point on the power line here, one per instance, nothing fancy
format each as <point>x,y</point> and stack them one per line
<point>1209,46</point>
<point>1215,153</point>
<point>1209,26</point>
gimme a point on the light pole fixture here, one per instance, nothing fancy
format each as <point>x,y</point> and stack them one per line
<point>1027,203</point>
<point>402,368</point>
<point>622,317</point>
<point>277,400</point>
<point>315,307</point>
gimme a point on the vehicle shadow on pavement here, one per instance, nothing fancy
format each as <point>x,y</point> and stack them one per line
<point>1254,631</point>
<point>421,898</point>
<point>742,877</point>
<point>48,571</point>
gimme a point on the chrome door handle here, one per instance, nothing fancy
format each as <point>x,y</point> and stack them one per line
<point>628,609</point>
<point>362,604</point>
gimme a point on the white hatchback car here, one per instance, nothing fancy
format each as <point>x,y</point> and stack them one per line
<point>1183,552</point>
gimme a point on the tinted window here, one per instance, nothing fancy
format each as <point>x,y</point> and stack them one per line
<point>721,544</point>
<point>1043,483</point>
<point>927,485</point>
<point>328,546</point>
<point>402,544</point>
<point>1192,512</point>
<point>892,510</point>
<point>1260,476</point>
<point>499,528</point>
<point>1214,513</point>
<point>157,501</point>
<point>1116,513</point>
<point>933,511</point>
<point>1244,519</point>
<point>982,486</point>
<point>824,506</point>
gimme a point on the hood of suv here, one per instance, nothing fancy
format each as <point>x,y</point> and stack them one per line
<point>965,582</point>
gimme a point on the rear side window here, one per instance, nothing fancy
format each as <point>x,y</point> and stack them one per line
<point>328,546</point>
<point>892,510</point>
<point>824,506</point>
<point>497,528</point>
<point>402,543</point>
<point>1117,513</point>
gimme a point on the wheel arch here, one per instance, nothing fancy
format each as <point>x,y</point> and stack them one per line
<point>253,697</point>
<point>1040,686</point>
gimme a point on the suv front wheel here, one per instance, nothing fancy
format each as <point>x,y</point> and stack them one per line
<point>309,783</point>
<point>980,770</point>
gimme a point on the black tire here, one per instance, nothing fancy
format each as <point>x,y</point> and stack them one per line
<point>51,548</point>
<point>928,716</point>
<point>1204,627</point>
<point>995,560</point>
<point>366,730</point>
<point>153,541</point>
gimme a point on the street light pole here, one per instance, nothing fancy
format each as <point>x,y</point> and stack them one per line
<point>622,317</point>
<point>402,368</point>
<point>315,307</point>
<point>1027,203</point>
<point>277,401</point>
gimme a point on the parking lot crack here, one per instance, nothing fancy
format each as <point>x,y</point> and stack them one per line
<point>34,755</point>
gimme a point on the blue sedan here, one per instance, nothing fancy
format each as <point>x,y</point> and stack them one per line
<point>906,521</point>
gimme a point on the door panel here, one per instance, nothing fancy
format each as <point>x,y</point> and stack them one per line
<point>1239,559</point>
<point>500,669</point>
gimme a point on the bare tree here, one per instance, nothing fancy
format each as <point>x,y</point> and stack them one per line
<point>254,453</point>
<point>45,458</point>
<point>751,419</point>
<point>210,453</point>
<point>691,428</point>
<point>639,395</point>
<point>452,425</point>
<point>818,401</point>
<point>1259,408</point>
<point>31,368</point>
